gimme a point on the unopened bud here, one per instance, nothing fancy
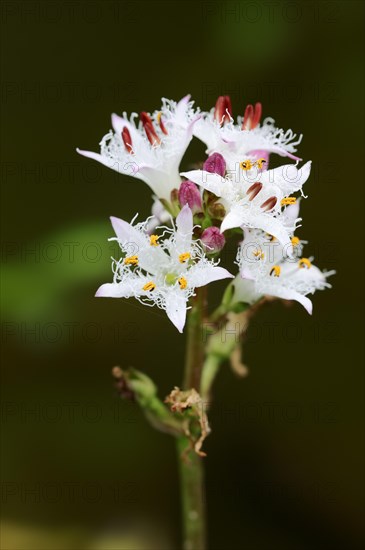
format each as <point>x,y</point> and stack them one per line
<point>217,210</point>
<point>189,194</point>
<point>213,240</point>
<point>215,164</point>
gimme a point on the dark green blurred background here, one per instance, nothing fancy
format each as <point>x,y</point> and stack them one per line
<point>81,469</point>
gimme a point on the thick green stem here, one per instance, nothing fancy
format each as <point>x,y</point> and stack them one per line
<point>190,463</point>
<point>192,497</point>
<point>195,342</point>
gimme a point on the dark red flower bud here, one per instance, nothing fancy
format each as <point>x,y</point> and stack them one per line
<point>215,164</point>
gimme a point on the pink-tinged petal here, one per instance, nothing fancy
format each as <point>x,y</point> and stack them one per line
<point>119,123</point>
<point>184,221</point>
<point>106,161</point>
<point>246,274</point>
<point>284,153</point>
<point>126,233</point>
<point>111,290</point>
<point>129,168</point>
<point>210,182</point>
<point>202,276</point>
<point>176,309</point>
<point>182,104</point>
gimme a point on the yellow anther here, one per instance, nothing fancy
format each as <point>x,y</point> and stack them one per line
<point>184,257</point>
<point>295,241</point>
<point>288,200</point>
<point>131,260</point>
<point>154,239</point>
<point>182,282</point>
<point>304,262</point>
<point>275,270</point>
<point>259,254</point>
<point>246,165</point>
<point>159,115</point>
<point>149,286</point>
<point>260,163</point>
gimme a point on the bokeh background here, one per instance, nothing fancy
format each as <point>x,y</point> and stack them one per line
<point>80,468</point>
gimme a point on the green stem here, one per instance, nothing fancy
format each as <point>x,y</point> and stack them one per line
<point>192,497</point>
<point>195,343</point>
<point>190,463</point>
<point>210,370</point>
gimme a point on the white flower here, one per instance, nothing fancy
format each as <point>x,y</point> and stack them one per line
<point>255,198</point>
<point>218,130</point>
<point>266,270</point>
<point>152,150</point>
<point>162,271</point>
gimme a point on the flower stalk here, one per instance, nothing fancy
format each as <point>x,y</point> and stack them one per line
<point>191,467</point>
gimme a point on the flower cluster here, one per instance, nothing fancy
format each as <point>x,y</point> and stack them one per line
<point>233,193</point>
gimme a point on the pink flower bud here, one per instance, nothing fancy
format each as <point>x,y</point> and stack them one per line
<point>215,164</point>
<point>189,194</point>
<point>213,240</point>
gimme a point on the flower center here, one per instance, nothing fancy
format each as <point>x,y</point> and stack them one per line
<point>131,260</point>
<point>304,262</point>
<point>182,282</point>
<point>276,269</point>
<point>150,286</point>
<point>154,239</point>
<point>184,257</point>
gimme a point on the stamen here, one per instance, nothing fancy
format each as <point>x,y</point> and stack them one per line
<point>260,163</point>
<point>223,109</point>
<point>269,204</point>
<point>162,126</point>
<point>295,241</point>
<point>276,269</point>
<point>304,262</point>
<point>154,239</point>
<point>252,116</point>
<point>259,254</point>
<point>150,286</point>
<point>246,165</point>
<point>131,260</point>
<point>184,257</point>
<point>127,140</point>
<point>254,190</point>
<point>288,200</point>
<point>149,129</point>
<point>182,282</point>
<point>271,237</point>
